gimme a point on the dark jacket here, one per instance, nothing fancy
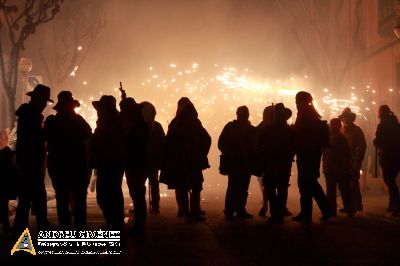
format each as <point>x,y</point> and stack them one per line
<point>155,147</point>
<point>337,158</point>
<point>67,134</point>
<point>311,136</point>
<point>237,143</point>
<point>276,144</point>
<point>136,136</point>
<point>387,140</point>
<point>30,150</point>
<point>186,150</point>
<point>107,143</point>
<point>358,145</point>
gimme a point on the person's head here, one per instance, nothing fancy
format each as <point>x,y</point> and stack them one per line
<point>40,96</point>
<point>106,106</point>
<point>347,116</point>
<point>188,113</point>
<point>182,102</point>
<point>66,102</point>
<point>384,112</point>
<point>149,112</point>
<point>335,125</point>
<point>268,114</point>
<point>304,104</point>
<point>127,105</point>
<point>242,113</point>
<point>282,114</point>
<point>303,100</point>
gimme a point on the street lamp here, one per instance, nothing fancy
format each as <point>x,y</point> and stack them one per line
<point>24,67</point>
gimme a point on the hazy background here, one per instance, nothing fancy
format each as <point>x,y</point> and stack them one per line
<point>142,33</point>
<point>138,34</point>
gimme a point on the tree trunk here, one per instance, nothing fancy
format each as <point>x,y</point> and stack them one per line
<point>4,111</point>
<point>11,108</point>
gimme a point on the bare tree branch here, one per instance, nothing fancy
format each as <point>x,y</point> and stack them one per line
<point>20,20</point>
<point>323,32</point>
<point>77,26</point>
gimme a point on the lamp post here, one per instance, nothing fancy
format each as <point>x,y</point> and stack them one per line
<point>24,67</point>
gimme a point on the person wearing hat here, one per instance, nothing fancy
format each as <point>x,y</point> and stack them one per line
<point>277,145</point>
<point>387,140</point>
<point>311,136</point>
<point>107,156</point>
<point>30,158</point>
<point>237,144</point>
<point>67,134</point>
<point>358,145</point>
<point>337,168</point>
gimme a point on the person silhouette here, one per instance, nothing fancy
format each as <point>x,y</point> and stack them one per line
<point>135,136</point>
<point>388,143</point>
<point>358,145</point>
<point>67,134</point>
<point>311,136</point>
<point>107,157</point>
<point>30,158</point>
<point>277,151</point>
<point>165,178</point>
<point>237,142</point>
<point>154,154</point>
<point>187,147</point>
<point>268,118</point>
<point>337,167</point>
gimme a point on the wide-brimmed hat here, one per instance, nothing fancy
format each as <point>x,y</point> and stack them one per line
<point>282,112</point>
<point>106,102</point>
<point>65,100</point>
<point>41,92</point>
<point>347,113</point>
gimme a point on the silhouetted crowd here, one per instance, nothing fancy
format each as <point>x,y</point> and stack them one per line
<point>130,142</point>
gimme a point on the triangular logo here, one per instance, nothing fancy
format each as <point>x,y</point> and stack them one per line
<point>24,243</point>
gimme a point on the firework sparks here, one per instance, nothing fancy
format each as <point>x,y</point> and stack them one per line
<point>217,93</point>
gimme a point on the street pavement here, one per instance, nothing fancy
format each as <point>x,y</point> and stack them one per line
<point>370,238</point>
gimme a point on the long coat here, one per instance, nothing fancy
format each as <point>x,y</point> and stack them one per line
<point>186,150</point>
